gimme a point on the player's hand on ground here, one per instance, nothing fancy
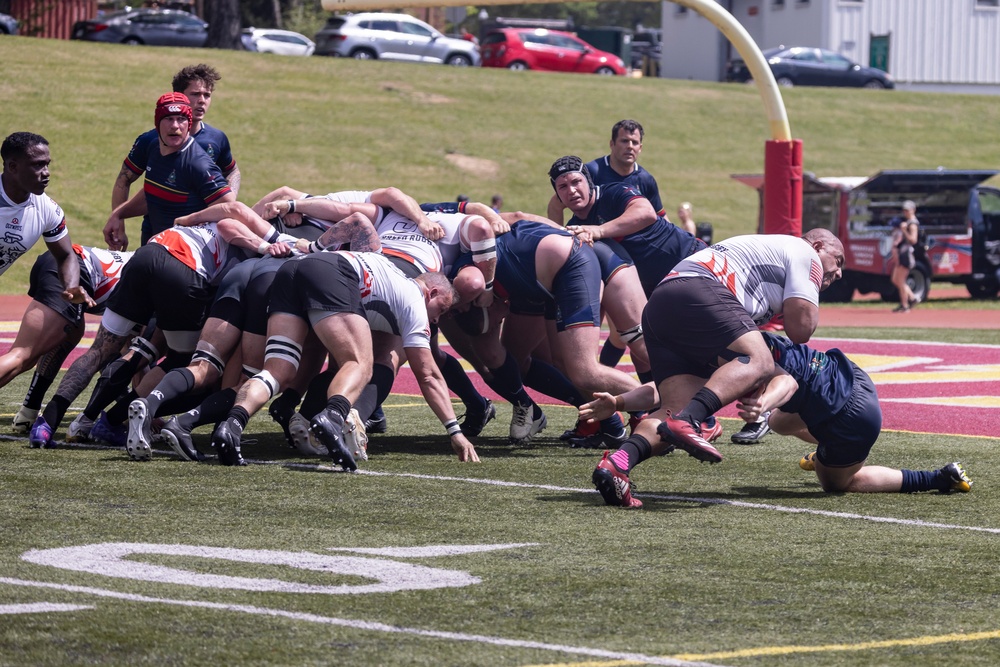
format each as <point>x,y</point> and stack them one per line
<point>466,452</point>
<point>602,407</point>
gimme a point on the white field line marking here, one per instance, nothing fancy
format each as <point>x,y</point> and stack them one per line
<point>913,343</point>
<point>701,501</point>
<point>320,467</point>
<point>366,625</point>
<point>40,608</point>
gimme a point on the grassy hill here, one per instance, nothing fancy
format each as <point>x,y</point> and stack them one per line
<point>323,124</point>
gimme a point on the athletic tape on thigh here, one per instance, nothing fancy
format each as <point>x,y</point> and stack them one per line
<point>284,348</point>
<point>631,335</point>
<point>483,250</point>
<point>145,349</point>
<point>268,381</point>
<point>206,352</point>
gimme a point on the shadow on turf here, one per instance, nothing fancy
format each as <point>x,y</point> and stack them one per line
<point>435,445</point>
<point>672,501</point>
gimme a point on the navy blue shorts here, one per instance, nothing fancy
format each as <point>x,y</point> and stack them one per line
<point>849,436</point>
<point>688,323</point>
<point>576,293</point>
<point>612,258</point>
<point>577,290</point>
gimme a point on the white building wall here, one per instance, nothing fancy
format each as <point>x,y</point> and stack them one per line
<point>791,23</point>
<point>932,41</point>
<point>690,46</point>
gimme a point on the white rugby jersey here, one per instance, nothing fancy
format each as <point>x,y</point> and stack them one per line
<point>23,224</point>
<point>201,249</point>
<point>104,268</point>
<point>400,237</point>
<point>761,270</point>
<point>393,303</point>
<point>454,241</point>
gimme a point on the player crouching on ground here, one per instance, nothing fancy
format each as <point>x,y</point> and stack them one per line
<point>823,398</point>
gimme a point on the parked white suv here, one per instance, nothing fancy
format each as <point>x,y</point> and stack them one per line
<point>392,37</point>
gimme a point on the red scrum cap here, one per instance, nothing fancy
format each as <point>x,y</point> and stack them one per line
<point>173,104</point>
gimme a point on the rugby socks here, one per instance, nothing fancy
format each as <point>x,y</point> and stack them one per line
<point>112,383</point>
<point>55,411</point>
<point>118,413</point>
<point>212,410</point>
<point>45,374</point>
<point>633,451</point>
<point>924,480</point>
<point>315,397</point>
<point>458,381</point>
<point>36,391</point>
<point>175,383</point>
<point>703,404</point>
<point>374,392</point>
<point>506,382</point>
<point>645,377</point>
<point>613,425</point>
<point>183,403</point>
<point>611,354</point>
<point>283,407</point>
<point>340,405</point>
<point>549,380</point>
<point>240,416</point>
<point>367,402</point>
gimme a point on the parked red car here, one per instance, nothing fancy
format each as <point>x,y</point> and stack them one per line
<point>553,50</point>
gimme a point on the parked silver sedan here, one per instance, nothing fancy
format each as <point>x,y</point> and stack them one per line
<point>272,40</point>
<point>153,27</point>
<point>371,35</point>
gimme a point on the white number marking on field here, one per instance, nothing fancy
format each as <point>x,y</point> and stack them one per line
<point>116,559</point>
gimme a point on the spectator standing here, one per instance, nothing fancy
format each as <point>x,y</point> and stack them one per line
<point>904,240</point>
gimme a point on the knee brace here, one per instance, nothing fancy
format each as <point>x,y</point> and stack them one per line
<point>145,349</point>
<point>120,371</point>
<point>632,334</point>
